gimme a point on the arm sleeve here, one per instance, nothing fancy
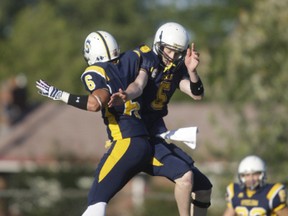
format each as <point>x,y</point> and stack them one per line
<point>277,197</point>
<point>93,81</point>
<point>149,61</point>
<point>229,194</point>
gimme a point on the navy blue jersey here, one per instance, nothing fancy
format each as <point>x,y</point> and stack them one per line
<point>160,88</point>
<point>168,159</point>
<point>130,151</point>
<point>121,121</point>
<point>265,201</point>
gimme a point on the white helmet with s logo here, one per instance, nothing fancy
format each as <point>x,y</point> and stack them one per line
<point>100,46</point>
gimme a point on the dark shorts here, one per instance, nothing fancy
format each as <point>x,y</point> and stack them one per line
<point>172,162</point>
<point>124,159</point>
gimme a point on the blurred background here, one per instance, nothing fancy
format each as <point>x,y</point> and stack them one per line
<point>49,151</point>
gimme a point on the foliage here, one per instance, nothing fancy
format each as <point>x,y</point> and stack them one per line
<point>256,75</point>
<point>158,207</point>
<point>51,191</point>
<point>243,46</point>
<point>52,33</point>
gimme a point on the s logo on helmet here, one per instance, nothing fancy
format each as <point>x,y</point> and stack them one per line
<point>87,46</point>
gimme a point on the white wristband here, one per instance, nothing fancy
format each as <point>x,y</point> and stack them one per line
<point>65,96</point>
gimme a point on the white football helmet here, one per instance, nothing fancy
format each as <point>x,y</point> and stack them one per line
<point>173,36</point>
<point>252,164</point>
<point>100,46</point>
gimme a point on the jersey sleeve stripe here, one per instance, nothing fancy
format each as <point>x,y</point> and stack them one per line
<point>230,194</point>
<point>273,192</point>
<point>137,52</point>
<point>230,190</point>
<point>98,70</point>
<point>281,206</point>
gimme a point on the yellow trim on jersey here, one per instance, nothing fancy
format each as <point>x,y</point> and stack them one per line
<point>168,67</point>
<point>98,70</point>
<point>137,52</point>
<point>229,194</point>
<point>281,206</point>
<point>113,125</point>
<point>274,190</point>
<point>250,193</point>
<point>156,162</point>
<point>118,151</point>
<point>272,193</point>
<point>230,190</point>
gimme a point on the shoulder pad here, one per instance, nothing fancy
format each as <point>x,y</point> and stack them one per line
<point>144,48</point>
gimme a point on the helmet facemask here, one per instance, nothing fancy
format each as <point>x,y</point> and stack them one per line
<point>178,57</point>
<point>260,182</point>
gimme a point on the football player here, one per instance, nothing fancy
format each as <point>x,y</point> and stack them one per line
<point>252,196</point>
<point>177,70</point>
<point>129,149</point>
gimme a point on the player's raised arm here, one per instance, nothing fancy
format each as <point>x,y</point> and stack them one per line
<point>193,85</point>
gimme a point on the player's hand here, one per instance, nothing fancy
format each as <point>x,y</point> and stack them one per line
<point>48,91</point>
<point>118,98</point>
<point>192,58</point>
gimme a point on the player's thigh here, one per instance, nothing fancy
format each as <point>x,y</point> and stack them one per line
<point>123,160</point>
<point>177,151</point>
<point>166,163</point>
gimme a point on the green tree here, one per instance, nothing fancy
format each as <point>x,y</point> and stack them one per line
<point>257,74</point>
<point>41,47</point>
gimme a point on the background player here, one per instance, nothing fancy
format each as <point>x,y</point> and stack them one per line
<point>130,150</point>
<point>252,195</point>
